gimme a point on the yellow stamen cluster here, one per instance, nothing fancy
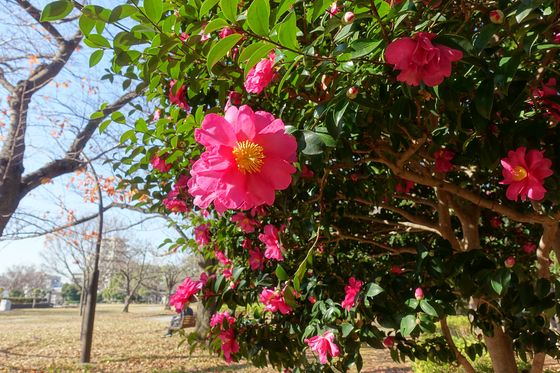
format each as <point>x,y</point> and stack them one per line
<point>518,173</point>
<point>248,156</point>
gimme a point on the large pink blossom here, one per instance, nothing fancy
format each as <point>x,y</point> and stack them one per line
<point>256,259</point>
<point>248,157</point>
<point>244,222</point>
<point>351,291</point>
<point>219,317</point>
<point>419,60</point>
<point>323,345</point>
<point>178,98</point>
<point>273,300</point>
<point>543,96</point>
<point>260,75</point>
<point>202,234</point>
<point>229,344</point>
<point>184,293</point>
<point>272,241</point>
<point>524,171</point>
<point>222,258</point>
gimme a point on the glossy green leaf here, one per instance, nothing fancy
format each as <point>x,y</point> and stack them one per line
<point>153,10</point>
<point>427,307</point>
<point>220,49</point>
<point>408,324</point>
<point>258,16</point>
<point>281,273</point>
<point>484,99</point>
<point>56,10</point>
<point>229,8</point>
<point>287,32</point>
<point>97,41</point>
<point>206,6</point>
<point>95,57</point>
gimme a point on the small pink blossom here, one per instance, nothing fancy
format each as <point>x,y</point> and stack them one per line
<point>184,37</point>
<point>556,37</point>
<point>389,341</point>
<point>351,291</point>
<point>334,9</point>
<point>222,258</point>
<point>312,300</point>
<point>524,173</point>
<point>178,98</point>
<point>509,262</point>
<point>529,248</point>
<point>229,344</point>
<point>421,61</point>
<point>203,35</point>
<point>404,186</point>
<point>159,164</point>
<point>228,273</point>
<point>256,260</point>
<point>443,159</point>
<point>248,157</point>
<point>272,241</point>
<point>260,75</point>
<point>543,96</point>
<point>225,32</point>
<point>202,234</point>
<point>219,317</point>
<point>176,199</point>
<point>419,294</point>
<point>273,300</point>
<point>156,116</point>
<point>244,222</point>
<point>323,345</point>
<point>184,293</point>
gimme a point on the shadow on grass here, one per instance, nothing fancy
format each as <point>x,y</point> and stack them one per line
<point>217,368</point>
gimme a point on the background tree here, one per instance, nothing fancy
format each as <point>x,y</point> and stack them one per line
<point>24,279</point>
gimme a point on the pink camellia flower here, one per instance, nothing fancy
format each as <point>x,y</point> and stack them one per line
<point>229,344</point>
<point>419,294</point>
<point>348,17</point>
<point>496,16</point>
<point>352,289</point>
<point>306,172</point>
<point>334,9</point>
<point>256,260</point>
<point>271,240</point>
<point>529,248</point>
<point>323,345</point>
<point>159,164</point>
<point>543,95</point>
<point>524,171</point>
<point>312,300</point>
<point>443,159</point>
<point>184,37</point>
<point>173,204</point>
<point>248,157</point>
<point>219,317</point>
<point>404,186</point>
<point>202,234</point>
<point>421,61</point>
<point>495,222</point>
<point>222,258</point>
<point>225,32</point>
<point>273,300</point>
<point>389,341</point>
<point>180,97</point>
<point>247,244</point>
<point>184,293</point>
<point>228,273</point>
<point>244,222</point>
<point>260,75</point>
<point>509,262</point>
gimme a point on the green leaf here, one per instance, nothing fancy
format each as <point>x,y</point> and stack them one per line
<point>312,143</point>
<point>56,10</point>
<point>95,57</point>
<point>229,8</point>
<point>281,273</point>
<point>220,49</point>
<point>500,280</point>
<point>287,32</point>
<point>206,6</point>
<point>484,99</point>
<point>86,24</point>
<point>216,24</point>
<point>258,16</point>
<point>427,307</point>
<point>121,12</point>
<point>128,135</point>
<point>97,41</point>
<point>347,328</point>
<point>283,8</point>
<point>482,39</point>
<point>373,290</point>
<point>408,324</point>
<point>319,8</point>
<point>153,9</point>
<point>259,54</point>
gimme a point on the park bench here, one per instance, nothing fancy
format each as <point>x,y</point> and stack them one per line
<point>185,319</point>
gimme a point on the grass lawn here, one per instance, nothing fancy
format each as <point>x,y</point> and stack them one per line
<point>48,340</point>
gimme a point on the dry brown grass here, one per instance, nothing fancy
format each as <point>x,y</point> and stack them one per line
<point>48,340</point>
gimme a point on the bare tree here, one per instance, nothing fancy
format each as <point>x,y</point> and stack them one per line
<point>24,279</point>
<point>32,56</point>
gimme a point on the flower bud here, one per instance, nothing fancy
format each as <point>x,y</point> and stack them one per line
<point>529,248</point>
<point>389,341</point>
<point>509,262</point>
<point>419,294</point>
<point>348,17</point>
<point>352,93</point>
<point>396,270</point>
<point>497,16</point>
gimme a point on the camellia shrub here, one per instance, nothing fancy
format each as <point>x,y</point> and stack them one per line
<point>353,171</point>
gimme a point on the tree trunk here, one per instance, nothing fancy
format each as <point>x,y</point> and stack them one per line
<point>537,365</point>
<point>34,303</point>
<point>500,348</point>
<point>127,300</point>
<point>203,315</point>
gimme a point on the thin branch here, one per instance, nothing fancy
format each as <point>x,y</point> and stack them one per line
<point>5,83</point>
<point>36,14</point>
<point>460,358</point>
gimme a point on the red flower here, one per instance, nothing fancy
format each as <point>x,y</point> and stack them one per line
<point>352,289</point>
<point>222,258</point>
<point>443,160</point>
<point>256,259</point>
<point>419,293</point>
<point>543,95</point>
<point>389,341</point>
<point>219,317</point>
<point>524,171</point>
<point>159,164</point>
<point>244,222</point>
<point>180,97</point>
<point>404,186</point>
<point>529,248</point>
<point>421,61</point>
<point>260,75</point>
<point>229,344</point>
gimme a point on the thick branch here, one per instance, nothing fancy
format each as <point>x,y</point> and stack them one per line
<point>71,160</point>
<point>445,219</point>
<point>36,14</point>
